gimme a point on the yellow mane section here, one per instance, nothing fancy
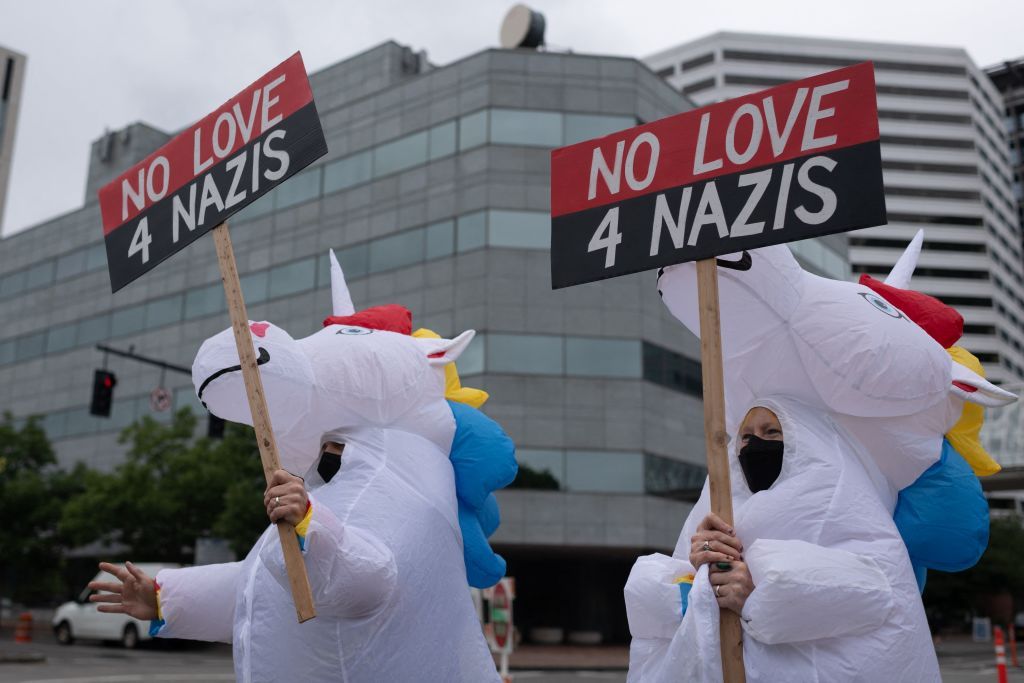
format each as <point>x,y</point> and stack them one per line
<point>964,435</point>
<point>453,389</point>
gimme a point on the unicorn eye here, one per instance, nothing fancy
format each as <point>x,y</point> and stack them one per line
<point>353,331</point>
<point>881,304</point>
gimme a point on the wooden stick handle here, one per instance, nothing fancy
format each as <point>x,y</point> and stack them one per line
<point>301,593</point>
<point>731,631</point>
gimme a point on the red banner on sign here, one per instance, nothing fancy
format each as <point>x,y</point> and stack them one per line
<point>827,112</point>
<point>275,96</point>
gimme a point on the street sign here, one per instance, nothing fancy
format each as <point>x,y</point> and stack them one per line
<point>499,630</point>
<point>794,161</point>
<point>253,142</point>
<point>160,399</point>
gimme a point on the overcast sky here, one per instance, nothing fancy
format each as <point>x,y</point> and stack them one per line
<point>97,64</point>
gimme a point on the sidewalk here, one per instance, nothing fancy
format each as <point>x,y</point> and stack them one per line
<point>570,657</point>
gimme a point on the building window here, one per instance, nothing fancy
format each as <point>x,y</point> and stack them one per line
<point>254,286</point>
<point>71,264</point>
<point>401,154</point>
<point>673,478</point>
<point>300,188</point>
<point>672,370</point>
<point>533,128</point>
<point>471,231</point>
<point>580,127</point>
<point>92,330</point>
<point>473,130</point>
<point>441,140</point>
<point>126,321</point>
<point>525,354</point>
<point>697,61</point>
<point>590,357</point>
<point>540,469</point>
<point>292,278</point>
<point>204,301</point>
<point>519,229</point>
<point>163,311</point>
<point>604,471</point>
<point>440,238</point>
<point>396,251</point>
<point>699,86</point>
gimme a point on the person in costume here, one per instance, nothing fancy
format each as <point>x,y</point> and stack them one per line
<point>877,417</point>
<point>393,509</point>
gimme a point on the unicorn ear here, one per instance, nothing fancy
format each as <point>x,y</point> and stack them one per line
<point>444,351</point>
<point>341,300</point>
<point>900,274</point>
<point>970,386</point>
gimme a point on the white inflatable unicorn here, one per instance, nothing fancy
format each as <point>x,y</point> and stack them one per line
<point>392,540</point>
<point>874,424</point>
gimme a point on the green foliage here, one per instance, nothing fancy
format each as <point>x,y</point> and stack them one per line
<point>999,570</point>
<point>32,492</point>
<point>172,489</point>
<point>529,478</point>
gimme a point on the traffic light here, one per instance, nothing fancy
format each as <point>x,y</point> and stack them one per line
<point>215,427</point>
<point>103,383</point>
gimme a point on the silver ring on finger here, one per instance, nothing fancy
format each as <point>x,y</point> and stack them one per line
<point>717,589</point>
<point>706,547</point>
<point>277,501</point>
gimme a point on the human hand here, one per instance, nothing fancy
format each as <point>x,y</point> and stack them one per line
<point>286,498</point>
<point>732,586</point>
<point>722,544</point>
<point>134,594</point>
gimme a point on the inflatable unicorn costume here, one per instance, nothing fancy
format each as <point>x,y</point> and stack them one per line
<point>880,415</point>
<point>392,541</point>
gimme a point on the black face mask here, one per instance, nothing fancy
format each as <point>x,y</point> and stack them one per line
<point>761,461</point>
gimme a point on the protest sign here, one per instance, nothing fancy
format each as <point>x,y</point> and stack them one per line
<point>250,144</point>
<point>792,162</point>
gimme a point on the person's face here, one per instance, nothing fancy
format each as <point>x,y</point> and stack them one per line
<point>332,447</point>
<point>762,423</point>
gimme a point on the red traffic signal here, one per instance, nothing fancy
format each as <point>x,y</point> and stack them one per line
<point>103,384</point>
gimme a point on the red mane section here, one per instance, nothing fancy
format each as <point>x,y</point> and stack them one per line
<point>388,317</point>
<point>941,322</point>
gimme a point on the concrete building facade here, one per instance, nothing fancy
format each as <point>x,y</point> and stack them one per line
<point>945,167</point>
<point>12,78</point>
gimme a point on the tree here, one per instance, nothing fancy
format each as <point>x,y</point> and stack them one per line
<point>32,492</point>
<point>1000,570</point>
<point>172,489</point>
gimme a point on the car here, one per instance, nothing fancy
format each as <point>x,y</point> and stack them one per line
<point>81,619</point>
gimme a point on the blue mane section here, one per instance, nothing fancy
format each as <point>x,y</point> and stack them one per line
<point>484,460</point>
<point>943,517</point>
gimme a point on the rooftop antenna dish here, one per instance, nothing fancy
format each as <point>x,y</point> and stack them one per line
<point>522,27</point>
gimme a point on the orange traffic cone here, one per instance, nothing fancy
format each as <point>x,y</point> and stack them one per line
<point>1000,654</point>
<point>23,631</point>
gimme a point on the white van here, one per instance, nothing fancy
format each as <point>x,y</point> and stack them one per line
<point>80,618</point>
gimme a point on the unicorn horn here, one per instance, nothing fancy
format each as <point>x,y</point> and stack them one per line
<point>341,300</point>
<point>900,274</point>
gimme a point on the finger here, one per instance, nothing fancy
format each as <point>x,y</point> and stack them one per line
<point>714,556</point>
<point>281,477</point>
<point>136,572</point>
<point>112,609</point>
<point>105,586</point>
<point>714,522</point>
<point>279,491</point>
<point>725,539</point>
<point>117,571</point>
<point>106,597</point>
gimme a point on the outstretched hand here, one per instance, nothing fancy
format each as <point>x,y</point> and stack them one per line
<point>134,594</point>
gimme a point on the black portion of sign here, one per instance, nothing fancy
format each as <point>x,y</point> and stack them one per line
<point>303,142</point>
<point>855,180</point>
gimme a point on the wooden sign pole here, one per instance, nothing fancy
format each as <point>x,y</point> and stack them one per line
<point>730,632</point>
<point>297,577</point>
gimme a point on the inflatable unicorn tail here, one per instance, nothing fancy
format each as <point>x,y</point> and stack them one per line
<point>484,459</point>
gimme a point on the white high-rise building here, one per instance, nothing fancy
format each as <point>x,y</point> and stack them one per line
<point>945,163</point>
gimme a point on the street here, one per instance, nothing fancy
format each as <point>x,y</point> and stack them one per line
<point>961,662</point>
